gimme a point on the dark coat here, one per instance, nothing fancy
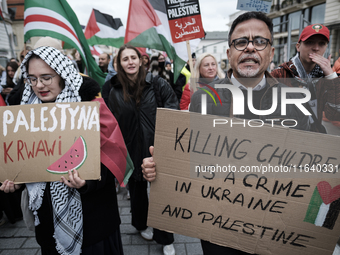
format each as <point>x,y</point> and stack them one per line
<point>137,123</point>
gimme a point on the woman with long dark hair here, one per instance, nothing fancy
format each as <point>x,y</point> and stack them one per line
<point>133,100</point>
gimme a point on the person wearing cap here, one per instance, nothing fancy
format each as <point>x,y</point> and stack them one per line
<point>311,70</point>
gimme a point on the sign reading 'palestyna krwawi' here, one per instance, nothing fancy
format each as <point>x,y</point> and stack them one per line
<point>184,20</point>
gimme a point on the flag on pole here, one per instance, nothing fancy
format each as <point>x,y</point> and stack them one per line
<point>148,27</point>
<point>55,18</point>
<point>103,29</point>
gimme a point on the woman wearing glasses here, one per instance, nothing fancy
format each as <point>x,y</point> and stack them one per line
<point>206,70</point>
<point>51,77</point>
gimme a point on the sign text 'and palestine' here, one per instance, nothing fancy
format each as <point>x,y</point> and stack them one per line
<point>184,20</point>
<point>263,190</point>
<point>36,138</point>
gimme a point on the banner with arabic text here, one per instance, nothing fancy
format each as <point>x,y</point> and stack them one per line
<point>184,20</point>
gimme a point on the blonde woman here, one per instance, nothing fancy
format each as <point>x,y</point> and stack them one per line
<point>206,70</point>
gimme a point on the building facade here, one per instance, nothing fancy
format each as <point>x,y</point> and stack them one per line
<point>6,35</point>
<point>301,13</point>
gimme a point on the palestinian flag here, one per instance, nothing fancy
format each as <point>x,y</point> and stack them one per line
<point>148,27</point>
<point>324,206</point>
<point>55,18</point>
<point>103,29</point>
<point>113,152</point>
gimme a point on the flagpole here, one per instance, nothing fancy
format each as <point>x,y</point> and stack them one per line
<point>9,41</point>
<point>190,64</point>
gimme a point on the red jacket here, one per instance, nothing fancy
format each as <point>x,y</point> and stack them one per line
<point>186,96</point>
<point>336,67</point>
<point>327,91</point>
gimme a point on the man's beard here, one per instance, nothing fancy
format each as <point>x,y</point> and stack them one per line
<point>249,72</point>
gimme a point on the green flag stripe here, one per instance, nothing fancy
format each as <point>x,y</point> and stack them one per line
<point>115,42</point>
<point>314,206</point>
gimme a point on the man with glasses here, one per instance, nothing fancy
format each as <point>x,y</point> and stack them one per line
<point>250,53</point>
<point>309,69</point>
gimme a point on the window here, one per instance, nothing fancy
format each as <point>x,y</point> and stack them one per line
<point>15,39</point>
<point>284,26</point>
<point>215,49</point>
<point>295,19</point>
<point>318,14</point>
<point>306,13</point>
<point>224,49</point>
<point>276,21</point>
<point>204,49</point>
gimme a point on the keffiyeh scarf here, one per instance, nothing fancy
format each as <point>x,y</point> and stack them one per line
<point>66,202</point>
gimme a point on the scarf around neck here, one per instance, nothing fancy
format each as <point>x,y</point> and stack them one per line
<point>66,202</point>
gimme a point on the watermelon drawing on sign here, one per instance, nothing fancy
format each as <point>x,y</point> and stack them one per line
<point>72,159</point>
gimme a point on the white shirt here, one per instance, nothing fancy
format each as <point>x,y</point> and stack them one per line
<point>258,87</point>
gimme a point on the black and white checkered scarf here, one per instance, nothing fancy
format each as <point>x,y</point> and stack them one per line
<point>66,202</point>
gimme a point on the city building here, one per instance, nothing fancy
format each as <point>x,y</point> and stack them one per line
<point>291,16</point>
<point>7,39</point>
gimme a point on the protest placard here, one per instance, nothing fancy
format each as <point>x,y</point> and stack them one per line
<point>184,20</point>
<point>42,142</point>
<point>254,5</point>
<point>264,190</point>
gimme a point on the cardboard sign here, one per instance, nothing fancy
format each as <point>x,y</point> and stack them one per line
<point>263,190</point>
<point>184,20</point>
<point>35,138</point>
<point>254,5</point>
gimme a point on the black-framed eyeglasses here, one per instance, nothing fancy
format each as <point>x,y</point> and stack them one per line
<point>44,79</point>
<point>259,43</point>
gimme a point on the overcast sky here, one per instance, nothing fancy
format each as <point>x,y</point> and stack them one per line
<point>214,13</point>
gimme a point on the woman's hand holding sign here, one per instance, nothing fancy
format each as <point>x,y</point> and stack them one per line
<point>74,180</point>
<point>149,167</point>
<point>9,186</point>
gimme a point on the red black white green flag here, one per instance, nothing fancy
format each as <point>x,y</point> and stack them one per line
<point>103,29</point>
<point>55,18</point>
<point>148,27</point>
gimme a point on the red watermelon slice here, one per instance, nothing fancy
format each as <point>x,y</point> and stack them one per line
<point>72,159</point>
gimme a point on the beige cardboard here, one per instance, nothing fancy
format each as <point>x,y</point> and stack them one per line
<point>227,208</point>
<point>33,137</point>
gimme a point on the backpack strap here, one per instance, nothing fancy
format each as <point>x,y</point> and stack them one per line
<point>156,89</point>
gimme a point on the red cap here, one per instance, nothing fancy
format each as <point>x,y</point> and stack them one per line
<point>315,29</point>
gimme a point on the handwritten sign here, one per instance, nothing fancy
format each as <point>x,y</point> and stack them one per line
<point>267,190</point>
<point>184,20</point>
<point>254,5</point>
<point>36,138</point>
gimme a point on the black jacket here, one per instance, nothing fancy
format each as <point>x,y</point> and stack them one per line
<point>266,102</point>
<point>137,123</point>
